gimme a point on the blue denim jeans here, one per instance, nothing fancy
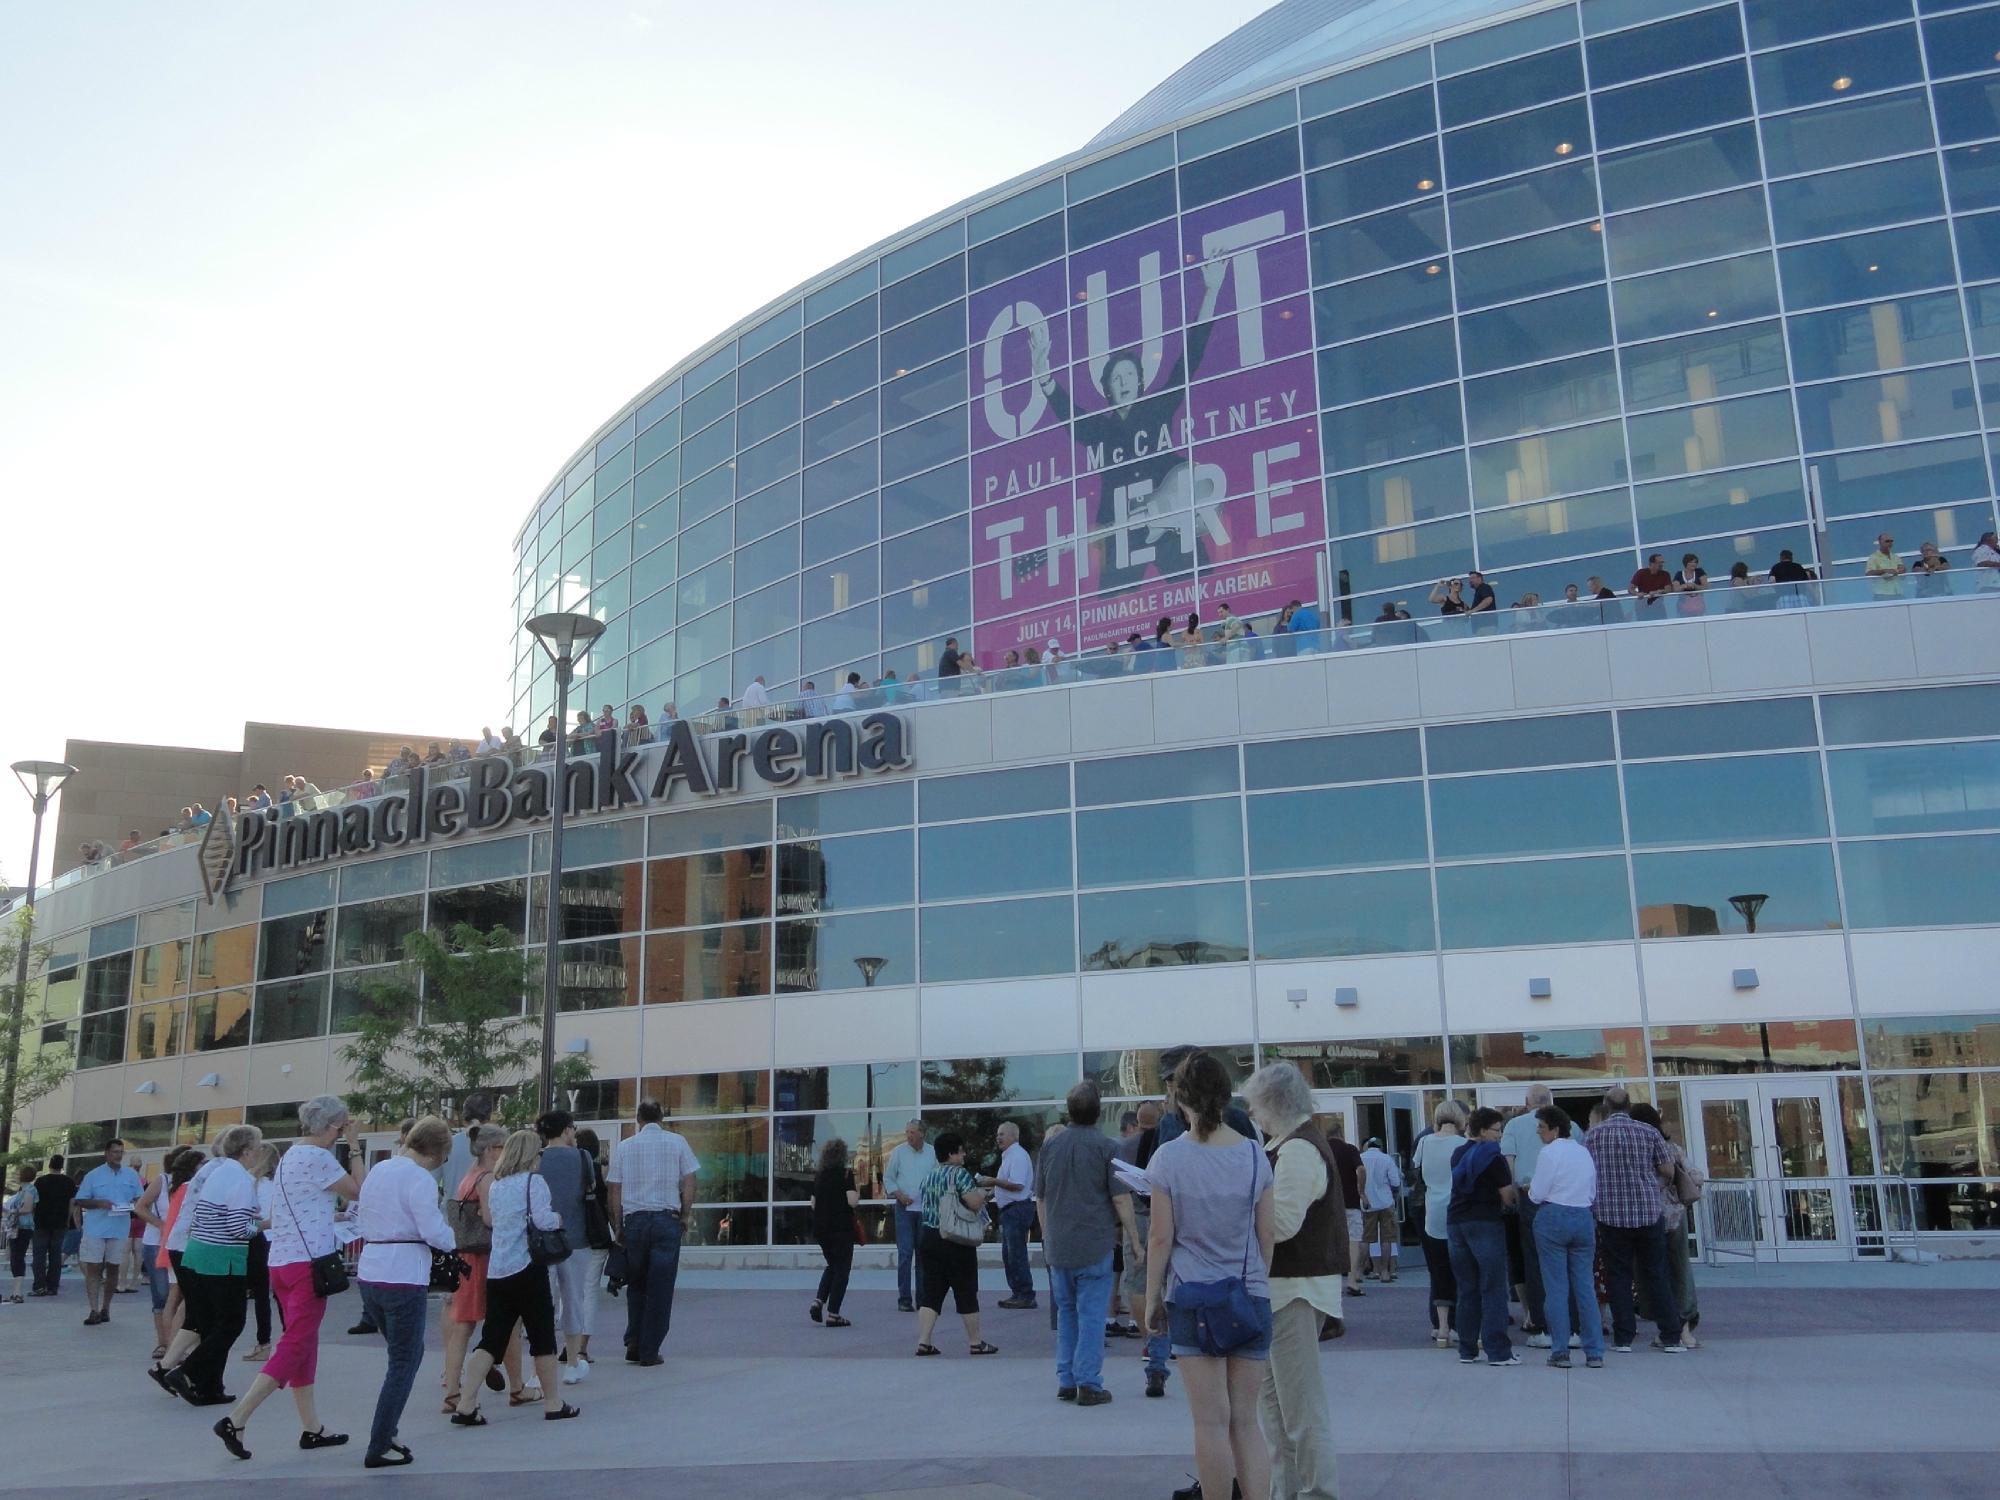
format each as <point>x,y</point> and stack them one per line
<point>1083,1301</point>
<point>909,1229</point>
<point>1566,1240</point>
<point>652,1262</point>
<point>1016,1219</point>
<point>399,1312</point>
<point>1479,1265</point>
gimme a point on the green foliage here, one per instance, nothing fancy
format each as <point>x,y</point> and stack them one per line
<point>448,1022</point>
<point>38,1070</point>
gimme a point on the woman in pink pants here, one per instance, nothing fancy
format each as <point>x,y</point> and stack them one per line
<point>307,1181</point>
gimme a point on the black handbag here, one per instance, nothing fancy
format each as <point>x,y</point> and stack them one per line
<point>448,1267</point>
<point>596,1222</point>
<point>329,1271</point>
<point>546,1247</point>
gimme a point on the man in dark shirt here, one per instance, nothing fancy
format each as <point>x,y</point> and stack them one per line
<point>1482,601</point>
<point>1787,570</point>
<point>1348,1159</point>
<point>53,1192</point>
<point>951,664</point>
<point>1652,581</point>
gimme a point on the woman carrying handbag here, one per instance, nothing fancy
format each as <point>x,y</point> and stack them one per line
<point>466,1308</point>
<point>948,1249</point>
<point>304,1257</point>
<point>527,1239</point>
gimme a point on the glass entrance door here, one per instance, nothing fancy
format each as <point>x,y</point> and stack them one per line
<point>1775,1168</point>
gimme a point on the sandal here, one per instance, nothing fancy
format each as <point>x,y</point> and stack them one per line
<point>395,1458</point>
<point>925,1351</point>
<point>159,1350</point>
<point>473,1418</point>
<point>564,1415</point>
<point>321,1439</point>
<point>450,1405</point>
<point>982,1347</point>
<point>835,1320</point>
<point>527,1395</point>
<point>232,1437</point>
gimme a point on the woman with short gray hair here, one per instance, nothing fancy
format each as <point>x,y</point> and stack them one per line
<point>1433,1157</point>
<point>308,1180</point>
<point>1309,1256</point>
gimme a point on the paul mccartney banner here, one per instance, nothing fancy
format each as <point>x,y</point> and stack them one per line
<point>1145,431</point>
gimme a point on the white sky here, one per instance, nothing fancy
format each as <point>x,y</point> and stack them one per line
<point>302,306</point>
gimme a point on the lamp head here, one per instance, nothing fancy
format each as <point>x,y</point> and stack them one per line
<point>42,779</point>
<point>562,634</point>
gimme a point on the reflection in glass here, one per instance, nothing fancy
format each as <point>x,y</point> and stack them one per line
<point>1701,893</point>
<point>372,932</point>
<point>219,1020</point>
<point>1966,1041</point>
<point>998,1080</point>
<point>712,963</point>
<point>1722,1048</point>
<point>998,939</point>
<point>1337,827</point>
<point>1539,901</point>
<point>494,903</point>
<point>1135,1072</point>
<point>1550,1056</point>
<point>839,874</point>
<point>1922,882</point>
<point>288,1012</point>
<point>1917,789</point>
<point>1159,841</point>
<point>1164,926</point>
<point>1537,812</point>
<point>597,973</point>
<point>819,953</point>
<point>848,1086</point>
<point>1725,800</point>
<point>700,889</point>
<point>735,1161</point>
<point>998,857</point>
<point>1337,916</point>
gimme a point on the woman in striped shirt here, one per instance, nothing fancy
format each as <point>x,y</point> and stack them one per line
<point>223,1201</point>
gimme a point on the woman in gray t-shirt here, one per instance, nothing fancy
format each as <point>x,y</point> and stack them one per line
<point>1211,1221</point>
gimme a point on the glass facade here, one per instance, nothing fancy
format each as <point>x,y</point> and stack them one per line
<point>1539,298</point>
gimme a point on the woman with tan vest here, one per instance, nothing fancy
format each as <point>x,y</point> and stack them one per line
<point>1308,1260</point>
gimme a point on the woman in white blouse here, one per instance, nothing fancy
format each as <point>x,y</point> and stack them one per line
<point>1565,1185</point>
<point>308,1180</point>
<point>517,1290</point>
<point>401,1223</point>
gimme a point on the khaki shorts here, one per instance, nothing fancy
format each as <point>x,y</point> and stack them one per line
<point>102,1250</point>
<point>1380,1228</point>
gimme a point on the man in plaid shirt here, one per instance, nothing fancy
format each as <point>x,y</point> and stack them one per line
<point>1633,1161</point>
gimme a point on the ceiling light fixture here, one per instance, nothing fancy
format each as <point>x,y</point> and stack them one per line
<point>1563,148</point>
<point>1842,84</point>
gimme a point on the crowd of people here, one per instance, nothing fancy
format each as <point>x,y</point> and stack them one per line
<point>1225,1237</point>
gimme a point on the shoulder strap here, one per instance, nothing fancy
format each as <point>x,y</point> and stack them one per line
<point>1250,1233</point>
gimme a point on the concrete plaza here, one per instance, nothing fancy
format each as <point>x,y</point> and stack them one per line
<point>1831,1382</point>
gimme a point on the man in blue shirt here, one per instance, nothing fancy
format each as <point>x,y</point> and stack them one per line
<point>106,1196</point>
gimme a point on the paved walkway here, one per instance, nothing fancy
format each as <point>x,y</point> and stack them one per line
<point>1827,1382</point>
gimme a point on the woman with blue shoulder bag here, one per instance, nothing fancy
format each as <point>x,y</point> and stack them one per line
<point>1208,1275</point>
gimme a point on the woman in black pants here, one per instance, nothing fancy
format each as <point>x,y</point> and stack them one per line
<point>944,1265</point>
<point>833,1203</point>
<point>215,1265</point>
<point>258,1270</point>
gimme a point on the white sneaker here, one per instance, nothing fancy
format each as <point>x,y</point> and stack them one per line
<point>1538,1341</point>
<point>574,1374</point>
<point>1576,1341</point>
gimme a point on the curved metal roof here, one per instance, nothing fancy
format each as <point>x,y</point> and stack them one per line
<point>1292,37</point>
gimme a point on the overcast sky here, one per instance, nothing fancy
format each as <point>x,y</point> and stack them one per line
<point>302,306</point>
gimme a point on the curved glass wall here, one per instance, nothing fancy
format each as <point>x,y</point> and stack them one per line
<point>1540,298</point>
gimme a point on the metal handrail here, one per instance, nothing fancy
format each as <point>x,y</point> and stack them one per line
<point>1874,1216</point>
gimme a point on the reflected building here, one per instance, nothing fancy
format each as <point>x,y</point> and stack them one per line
<point>1365,297</point>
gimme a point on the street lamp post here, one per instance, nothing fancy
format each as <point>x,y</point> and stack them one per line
<point>564,638</point>
<point>869,968</point>
<point>41,779</point>
<point>1747,907</point>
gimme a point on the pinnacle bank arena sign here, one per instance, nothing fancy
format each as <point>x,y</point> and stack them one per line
<point>490,793</point>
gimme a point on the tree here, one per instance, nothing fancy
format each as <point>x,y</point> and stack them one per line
<point>449,1022</point>
<point>33,1068</point>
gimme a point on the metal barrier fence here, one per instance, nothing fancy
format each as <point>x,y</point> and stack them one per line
<point>1769,1218</point>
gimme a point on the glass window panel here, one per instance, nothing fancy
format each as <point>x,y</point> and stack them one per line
<point>843,640</point>
<point>1701,503</point>
<point>1400,558</point>
<point>1031,245</point>
<point>1922,882</point>
<point>1521,205</point>
<point>1511,39</point>
<point>1134,1072</point>
<point>293,945</point>
<point>919,253</point>
<point>1401,426</point>
<point>709,887</point>
<point>998,857</point>
<point>818,953</point>
<point>1336,828</point>
<point>841,331</point>
<point>1965,43</point>
<point>1926,1042</point>
<point>1917,788</point>
<point>932,612</point>
<point>1868,265</point>
<point>1370,127</point>
<point>1886,478</point>
<point>916,556</point>
<point>1883,192</point>
<point>1713,436</point>
<point>1550,395</point>
<point>1679,168</point>
<point>661,403</point>
<point>489,904</point>
<point>1725,800</point>
<point>1163,926</point>
<point>1973,173</point>
<point>1531,331</point>
<point>595,903</point>
<point>1554,74</point>
<point>767,611</point>
<point>1391,362</point>
<point>840,377</point>
<point>1370,244</point>
<point>1524,268</point>
<point>713,963</point>
<point>1127,208</point>
<point>843,582</point>
<point>1727,291</point>
<point>1979,246</point>
<point>382,877</point>
<point>1161,841</point>
<point>927,497</point>
<point>1372,182</point>
<point>1702,366</point>
<point>708,494</point>
<point>1366,83</point>
<point>922,393</point>
<point>292,1011</point>
<point>777,361</point>
<point>1717,728</point>
<point>219,1021</point>
<point>100,1040</point>
<point>1547,812</point>
<point>841,874</point>
<point>1401,493</point>
<point>1539,138</point>
<point>1414,294</point>
<point>923,445</point>
<point>1365,1062</point>
<point>1237,125</point>
<point>107,983</point>
<point>281,898</point>
<point>1341,916</point>
<point>1502,744</point>
<point>1229,172</point>
<point>1847,132</point>
<point>1888,408</point>
<point>1515,1056</point>
<point>770,413</point>
<point>1553,463</point>
<point>993,794</point>
<point>162,969</point>
<point>1176,773</point>
<point>702,544</point>
<point>840,529</point>
<point>1668,106</point>
<point>827,484</point>
<point>1823,71</point>
<point>1967,110</point>
<point>597,974</point>
<point>1533,902</point>
<point>707,448</point>
<point>930,288</point>
<point>847,1086</point>
<point>1523,534</point>
<point>853,810</point>
<point>1011,213</point>
<point>1942,1125</point>
<point>1670,44</point>
<point>692,830</point>
<point>1775,22</point>
<point>1701,893</point>
<point>372,932</point>
<point>1697,230</point>
<point>998,939</point>
<point>998,1080</point>
<point>1332,758</point>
